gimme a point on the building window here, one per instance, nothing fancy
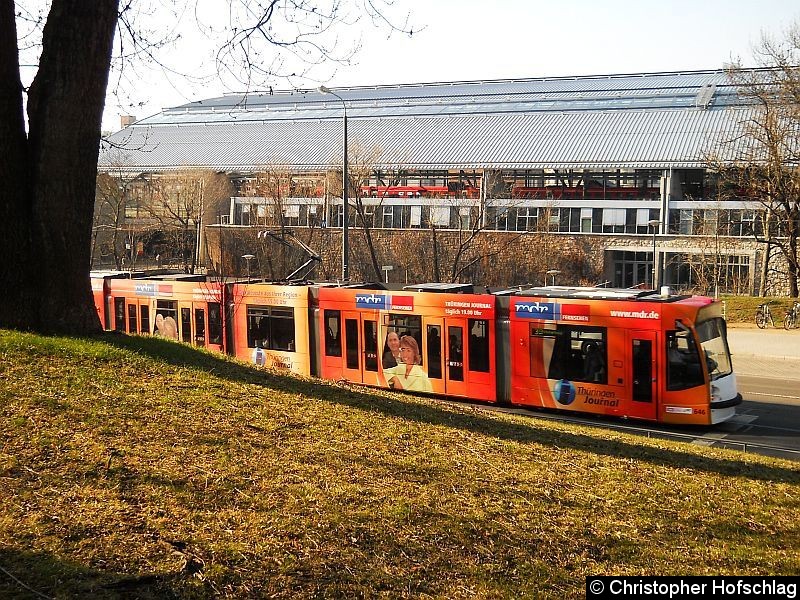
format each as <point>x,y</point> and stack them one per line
<point>632,269</point>
<point>750,221</point>
<point>686,221</point>
<point>642,217</point>
<point>613,220</point>
<point>586,220</point>
<point>392,217</point>
<point>366,215</point>
<point>291,215</point>
<point>701,273</point>
<point>416,216</point>
<point>440,216</point>
<point>336,215</point>
<point>498,218</point>
<point>464,217</point>
<point>710,222</point>
<point>527,218</point>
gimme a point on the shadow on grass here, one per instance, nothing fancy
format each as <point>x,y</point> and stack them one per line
<point>35,575</point>
<point>180,355</point>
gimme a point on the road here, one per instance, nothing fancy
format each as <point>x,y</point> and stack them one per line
<point>767,366</point>
<point>769,416</point>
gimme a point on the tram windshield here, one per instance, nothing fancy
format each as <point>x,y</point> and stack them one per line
<point>714,343</point>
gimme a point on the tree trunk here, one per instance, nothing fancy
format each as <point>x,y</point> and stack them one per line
<point>437,276</point>
<point>18,296</point>
<point>50,198</point>
<point>368,237</point>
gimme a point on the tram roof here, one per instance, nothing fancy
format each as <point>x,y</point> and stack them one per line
<point>647,120</point>
<point>446,288</point>
<point>593,293</point>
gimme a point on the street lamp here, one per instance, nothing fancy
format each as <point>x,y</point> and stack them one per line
<point>552,273</point>
<point>654,223</point>
<point>248,258</point>
<point>345,185</point>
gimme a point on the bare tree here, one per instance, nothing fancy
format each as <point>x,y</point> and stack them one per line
<point>283,202</point>
<point>180,204</point>
<point>108,223</point>
<point>470,218</point>
<point>48,171</point>
<point>762,162</point>
<point>362,163</point>
<point>710,269</point>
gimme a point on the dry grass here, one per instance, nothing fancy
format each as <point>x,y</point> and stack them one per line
<point>133,467</point>
<point>742,309</point>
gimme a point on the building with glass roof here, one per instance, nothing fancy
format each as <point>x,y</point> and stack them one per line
<point>619,157</point>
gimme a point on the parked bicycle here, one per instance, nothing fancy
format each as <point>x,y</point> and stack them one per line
<point>792,318</point>
<point>764,316</point>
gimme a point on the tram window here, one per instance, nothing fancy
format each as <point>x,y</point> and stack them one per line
<point>257,326</point>
<point>370,345</point>
<point>479,345</point>
<point>271,328</point>
<point>132,324</point>
<point>455,359</point>
<point>351,342</point>
<point>406,325</point>
<point>186,325</point>
<point>642,354</point>
<point>712,343</point>
<point>168,309</point>
<point>579,354</point>
<point>119,314</point>
<point>434,352</point>
<point>333,339</point>
<point>283,329</point>
<point>144,322</point>
<point>199,327</point>
<point>683,361</point>
<point>214,323</point>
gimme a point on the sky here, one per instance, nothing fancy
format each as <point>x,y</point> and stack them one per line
<point>458,40</point>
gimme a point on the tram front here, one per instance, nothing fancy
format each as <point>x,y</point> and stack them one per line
<point>716,356</point>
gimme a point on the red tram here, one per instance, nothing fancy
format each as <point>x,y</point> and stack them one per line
<point>452,325</point>
<point>621,353</point>
<point>624,353</point>
<point>182,307</point>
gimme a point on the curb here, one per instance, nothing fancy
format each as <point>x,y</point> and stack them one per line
<point>765,356</point>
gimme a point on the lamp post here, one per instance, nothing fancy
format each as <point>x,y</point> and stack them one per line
<point>552,273</point>
<point>345,185</point>
<point>248,258</point>
<point>654,223</point>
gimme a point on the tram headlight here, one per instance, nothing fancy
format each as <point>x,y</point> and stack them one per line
<point>715,395</point>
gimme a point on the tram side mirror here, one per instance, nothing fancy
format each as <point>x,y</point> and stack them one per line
<point>680,326</point>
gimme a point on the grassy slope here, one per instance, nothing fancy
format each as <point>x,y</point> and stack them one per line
<point>133,467</point>
<point>742,309</point>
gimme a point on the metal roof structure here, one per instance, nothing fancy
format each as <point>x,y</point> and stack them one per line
<point>651,120</point>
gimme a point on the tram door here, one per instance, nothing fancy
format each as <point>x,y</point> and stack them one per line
<point>643,378</point>
<point>451,333</point>
<point>351,366</point>
<point>131,315</point>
